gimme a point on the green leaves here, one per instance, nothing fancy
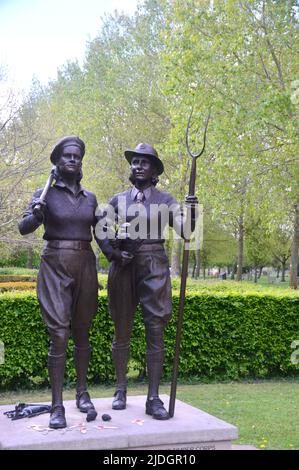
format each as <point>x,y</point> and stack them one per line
<point>229,332</point>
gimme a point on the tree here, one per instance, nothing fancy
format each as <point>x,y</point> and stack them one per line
<point>22,145</point>
<point>280,247</point>
<point>238,57</point>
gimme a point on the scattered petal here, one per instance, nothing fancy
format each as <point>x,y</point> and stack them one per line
<point>138,421</point>
<point>99,426</point>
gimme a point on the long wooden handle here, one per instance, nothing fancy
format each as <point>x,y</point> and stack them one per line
<point>179,329</point>
<point>46,189</point>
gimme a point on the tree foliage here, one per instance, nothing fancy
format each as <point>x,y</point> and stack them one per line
<point>140,77</point>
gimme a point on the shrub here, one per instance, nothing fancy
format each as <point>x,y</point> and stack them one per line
<point>226,335</point>
<point>9,286</point>
<point>26,342</point>
<point>16,278</point>
<point>19,257</point>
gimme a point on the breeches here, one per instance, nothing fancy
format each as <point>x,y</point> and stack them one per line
<point>67,290</point>
<point>145,281</point>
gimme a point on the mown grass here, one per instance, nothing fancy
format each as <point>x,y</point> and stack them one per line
<point>13,271</point>
<point>210,285</point>
<point>265,412</point>
<point>214,286</point>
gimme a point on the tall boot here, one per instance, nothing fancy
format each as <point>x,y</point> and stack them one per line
<point>83,401</point>
<point>56,368</point>
<point>120,359</point>
<point>155,361</point>
<point>154,405</point>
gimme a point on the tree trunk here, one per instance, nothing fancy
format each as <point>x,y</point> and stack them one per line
<point>277,272</point>
<point>283,271</point>
<point>176,257</point>
<point>194,264</point>
<point>260,272</point>
<point>294,250</point>
<point>255,275</point>
<point>241,248</point>
<point>29,263</point>
<point>197,270</point>
<point>234,270</point>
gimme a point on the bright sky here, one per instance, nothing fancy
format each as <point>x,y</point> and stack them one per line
<point>38,36</point>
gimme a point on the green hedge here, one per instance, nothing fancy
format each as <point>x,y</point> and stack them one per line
<point>228,335</point>
<point>19,278</point>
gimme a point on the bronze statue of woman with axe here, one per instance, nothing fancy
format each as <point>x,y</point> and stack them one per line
<point>67,283</point>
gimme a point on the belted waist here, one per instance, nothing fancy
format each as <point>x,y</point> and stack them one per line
<point>143,247</point>
<point>68,244</point>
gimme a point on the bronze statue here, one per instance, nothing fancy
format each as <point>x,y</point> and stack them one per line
<point>67,284</point>
<point>139,272</point>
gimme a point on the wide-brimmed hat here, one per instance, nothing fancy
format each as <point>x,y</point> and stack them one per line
<point>68,140</point>
<point>147,151</point>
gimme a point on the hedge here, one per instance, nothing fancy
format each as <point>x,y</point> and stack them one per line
<point>226,335</point>
<point>17,278</point>
<point>22,285</point>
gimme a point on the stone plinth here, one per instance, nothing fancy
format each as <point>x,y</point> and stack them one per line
<point>130,429</point>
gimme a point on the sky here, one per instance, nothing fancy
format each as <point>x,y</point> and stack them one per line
<point>38,36</point>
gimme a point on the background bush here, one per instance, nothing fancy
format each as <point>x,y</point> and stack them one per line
<point>226,335</point>
<point>17,285</point>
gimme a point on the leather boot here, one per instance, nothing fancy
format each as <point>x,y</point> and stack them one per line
<point>83,401</point>
<point>154,405</point>
<point>120,359</point>
<point>120,400</point>
<point>155,361</point>
<point>57,418</point>
<point>85,405</point>
<point>56,368</point>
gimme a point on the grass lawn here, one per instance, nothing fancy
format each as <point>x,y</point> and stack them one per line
<point>266,412</point>
<point>210,285</point>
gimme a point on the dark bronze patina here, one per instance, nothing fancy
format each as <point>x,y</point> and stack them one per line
<point>67,279</point>
<point>139,274</point>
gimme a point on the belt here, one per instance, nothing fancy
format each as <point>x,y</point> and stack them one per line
<point>68,245</point>
<point>150,247</point>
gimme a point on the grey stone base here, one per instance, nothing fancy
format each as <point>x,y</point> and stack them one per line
<point>130,429</point>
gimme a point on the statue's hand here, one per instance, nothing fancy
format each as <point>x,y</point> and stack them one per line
<point>126,258</point>
<point>115,242</point>
<point>122,257</point>
<point>38,209</point>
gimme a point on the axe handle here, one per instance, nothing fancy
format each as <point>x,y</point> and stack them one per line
<point>46,189</point>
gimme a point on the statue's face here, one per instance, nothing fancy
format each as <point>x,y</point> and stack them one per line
<point>70,161</point>
<point>142,169</point>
